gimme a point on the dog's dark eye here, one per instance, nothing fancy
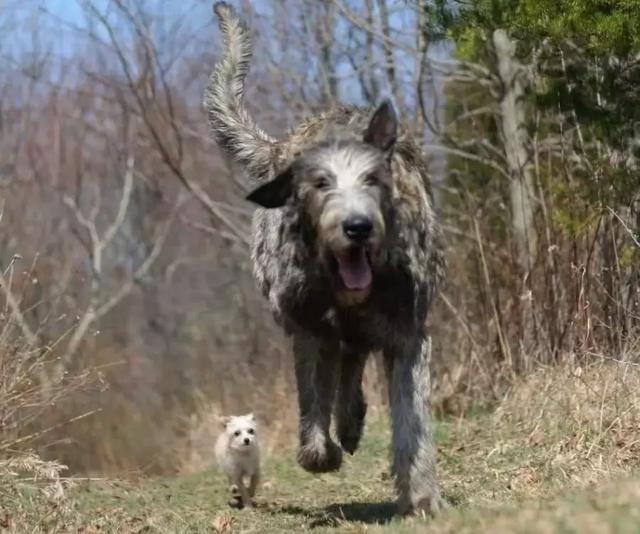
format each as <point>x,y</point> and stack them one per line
<point>321,183</point>
<point>250,431</point>
<point>236,433</point>
<point>371,180</point>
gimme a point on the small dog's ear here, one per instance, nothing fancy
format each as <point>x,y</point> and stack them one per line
<point>224,421</point>
<point>252,416</point>
<point>275,193</point>
<point>383,127</point>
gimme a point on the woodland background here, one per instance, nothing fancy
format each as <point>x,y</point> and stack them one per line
<point>129,318</point>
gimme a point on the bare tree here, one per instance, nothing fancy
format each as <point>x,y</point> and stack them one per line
<point>102,300</point>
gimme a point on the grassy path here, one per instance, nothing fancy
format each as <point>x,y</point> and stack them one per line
<point>539,463</point>
<point>489,489</point>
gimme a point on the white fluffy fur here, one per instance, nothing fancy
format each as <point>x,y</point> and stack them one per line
<point>238,456</point>
<point>349,166</point>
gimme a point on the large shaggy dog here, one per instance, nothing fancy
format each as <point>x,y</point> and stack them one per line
<point>347,250</point>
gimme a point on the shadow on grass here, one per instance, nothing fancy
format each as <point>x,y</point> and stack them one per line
<point>363,512</point>
<point>334,514</point>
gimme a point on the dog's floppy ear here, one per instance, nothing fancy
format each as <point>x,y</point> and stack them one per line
<point>383,127</point>
<point>275,193</point>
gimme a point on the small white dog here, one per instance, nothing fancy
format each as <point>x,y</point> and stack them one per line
<point>238,456</point>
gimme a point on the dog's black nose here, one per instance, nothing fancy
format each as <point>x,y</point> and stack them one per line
<point>247,441</point>
<point>357,227</point>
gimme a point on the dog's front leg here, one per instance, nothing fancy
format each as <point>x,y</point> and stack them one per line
<point>236,498</point>
<point>316,362</point>
<point>245,498</point>
<point>351,407</point>
<point>414,461</point>
<point>253,483</point>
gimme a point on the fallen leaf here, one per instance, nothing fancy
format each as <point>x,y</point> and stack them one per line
<point>222,523</point>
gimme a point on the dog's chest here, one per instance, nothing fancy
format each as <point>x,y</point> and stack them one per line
<point>373,325</point>
<point>368,331</point>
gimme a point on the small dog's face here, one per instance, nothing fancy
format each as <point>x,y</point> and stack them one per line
<point>342,190</point>
<point>241,431</point>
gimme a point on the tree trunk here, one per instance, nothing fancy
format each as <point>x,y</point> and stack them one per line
<point>515,138</point>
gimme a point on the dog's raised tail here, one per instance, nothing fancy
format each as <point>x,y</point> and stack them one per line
<point>231,124</point>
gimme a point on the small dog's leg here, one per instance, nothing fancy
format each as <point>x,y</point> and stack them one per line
<point>351,407</point>
<point>316,366</point>
<point>253,483</point>
<point>414,461</point>
<point>245,498</point>
<point>236,498</point>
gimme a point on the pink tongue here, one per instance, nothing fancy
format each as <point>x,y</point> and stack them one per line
<point>354,269</point>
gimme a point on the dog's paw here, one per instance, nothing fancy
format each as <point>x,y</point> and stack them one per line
<point>349,437</point>
<point>349,429</point>
<point>236,497</point>
<point>320,459</point>
<point>429,505</point>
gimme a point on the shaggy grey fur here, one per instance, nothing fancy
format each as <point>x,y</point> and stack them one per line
<point>347,250</point>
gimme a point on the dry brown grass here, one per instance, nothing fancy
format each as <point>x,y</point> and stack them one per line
<point>558,428</point>
<point>586,417</point>
<point>29,400</point>
<point>29,422</point>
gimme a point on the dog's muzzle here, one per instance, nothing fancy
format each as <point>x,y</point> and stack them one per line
<point>354,262</point>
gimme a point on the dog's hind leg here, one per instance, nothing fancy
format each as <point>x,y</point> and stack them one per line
<point>316,362</point>
<point>414,459</point>
<point>351,407</point>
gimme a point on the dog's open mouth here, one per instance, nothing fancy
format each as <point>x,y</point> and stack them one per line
<point>353,268</point>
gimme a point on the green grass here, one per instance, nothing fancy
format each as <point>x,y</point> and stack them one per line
<point>495,475</point>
